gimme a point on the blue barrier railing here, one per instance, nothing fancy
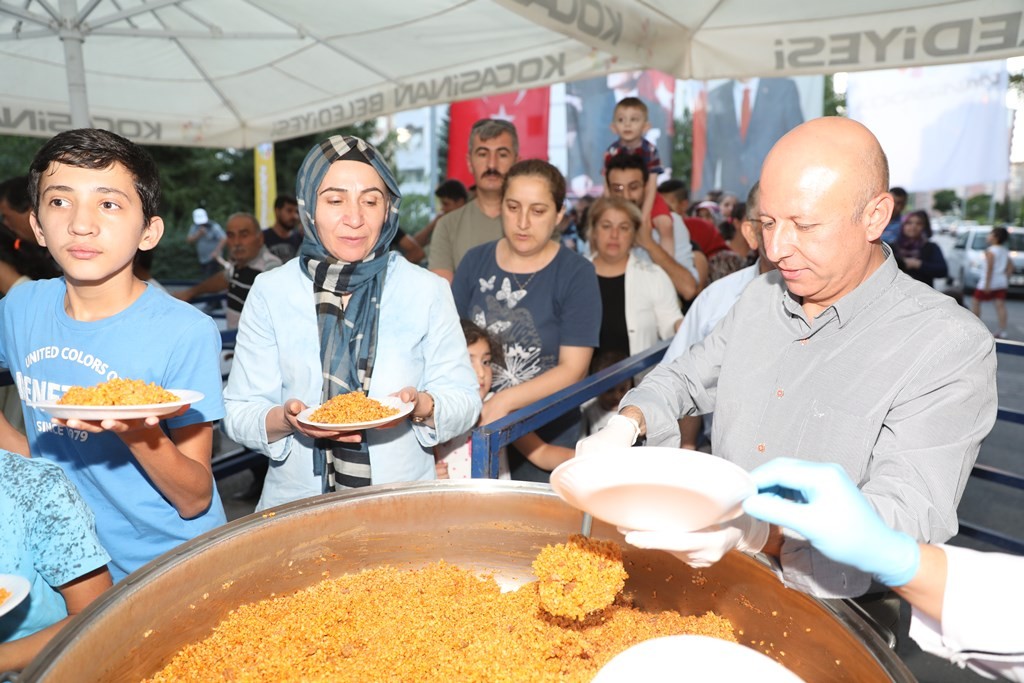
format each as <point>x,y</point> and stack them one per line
<point>998,476</point>
<point>490,438</point>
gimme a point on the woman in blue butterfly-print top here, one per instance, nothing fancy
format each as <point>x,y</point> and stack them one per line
<point>538,297</point>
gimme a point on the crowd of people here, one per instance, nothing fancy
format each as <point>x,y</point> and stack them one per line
<point>808,336</point>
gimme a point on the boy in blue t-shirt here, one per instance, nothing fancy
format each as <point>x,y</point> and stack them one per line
<point>48,538</point>
<point>149,482</point>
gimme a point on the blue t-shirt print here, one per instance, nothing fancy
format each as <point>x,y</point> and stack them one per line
<point>533,315</point>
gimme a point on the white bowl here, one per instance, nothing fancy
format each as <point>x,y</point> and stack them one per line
<point>654,489</point>
<point>692,658</point>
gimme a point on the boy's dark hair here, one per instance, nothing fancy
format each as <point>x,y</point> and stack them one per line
<point>285,200</point>
<point>727,230</point>
<point>95,148</point>
<point>604,358</point>
<point>675,187</point>
<point>15,192</point>
<point>1001,234</point>
<point>543,170</point>
<point>475,333</point>
<point>625,162</point>
<point>739,211</point>
<point>898,192</point>
<point>631,103</point>
<point>452,189</point>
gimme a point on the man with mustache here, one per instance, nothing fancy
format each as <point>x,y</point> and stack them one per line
<point>493,148</point>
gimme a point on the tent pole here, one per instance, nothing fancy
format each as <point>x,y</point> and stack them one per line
<point>74,63</point>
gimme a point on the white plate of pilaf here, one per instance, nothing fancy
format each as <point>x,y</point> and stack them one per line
<point>13,589</point>
<point>354,411</point>
<point>118,399</point>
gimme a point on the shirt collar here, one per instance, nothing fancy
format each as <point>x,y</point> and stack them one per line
<point>866,293</point>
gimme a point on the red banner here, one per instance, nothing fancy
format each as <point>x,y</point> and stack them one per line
<point>527,110</point>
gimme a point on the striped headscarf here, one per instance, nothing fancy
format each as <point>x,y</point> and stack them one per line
<point>348,336</point>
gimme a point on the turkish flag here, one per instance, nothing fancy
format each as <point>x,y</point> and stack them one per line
<point>527,110</point>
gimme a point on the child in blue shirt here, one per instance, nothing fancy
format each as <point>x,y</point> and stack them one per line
<point>48,538</point>
<point>149,482</point>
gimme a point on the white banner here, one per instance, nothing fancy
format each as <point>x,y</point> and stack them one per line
<point>940,126</point>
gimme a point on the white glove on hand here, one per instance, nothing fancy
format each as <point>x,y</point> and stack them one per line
<point>705,547</point>
<point>620,432</point>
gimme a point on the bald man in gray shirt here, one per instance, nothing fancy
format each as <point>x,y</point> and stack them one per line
<point>836,356</point>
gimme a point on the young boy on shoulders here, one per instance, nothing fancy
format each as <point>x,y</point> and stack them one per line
<point>95,197</point>
<point>630,123</point>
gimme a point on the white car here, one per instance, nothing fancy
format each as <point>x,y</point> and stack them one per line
<point>967,258</point>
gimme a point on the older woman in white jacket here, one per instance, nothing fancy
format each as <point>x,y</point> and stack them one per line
<point>639,303</point>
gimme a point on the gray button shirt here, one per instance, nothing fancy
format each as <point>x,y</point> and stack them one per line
<point>895,382</point>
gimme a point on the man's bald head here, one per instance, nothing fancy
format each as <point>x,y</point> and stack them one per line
<point>843,145</point>
<point>824,205</point>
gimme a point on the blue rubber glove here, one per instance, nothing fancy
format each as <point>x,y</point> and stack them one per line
<point>836,518</point>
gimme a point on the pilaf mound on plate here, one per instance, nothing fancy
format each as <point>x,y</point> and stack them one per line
<point>351,408</point>
<point>118,392</point>
<point>436,623</point>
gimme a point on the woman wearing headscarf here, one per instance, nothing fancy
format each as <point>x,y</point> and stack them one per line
<point>347,315</point>
<point>916,254</point>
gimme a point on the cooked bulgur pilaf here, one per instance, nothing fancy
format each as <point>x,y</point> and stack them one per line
<point>350,408</point>
<point>580,577</point>
<point>438,623</point>
<point>117,392</point>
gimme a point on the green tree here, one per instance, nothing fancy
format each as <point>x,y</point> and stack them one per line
<point>977,207</point>
<point>682,147</point>
<point>416,210</point>
<point>442,147</point>
<point>16,153</point>
<point>835,103</point>
<point>944,200</point>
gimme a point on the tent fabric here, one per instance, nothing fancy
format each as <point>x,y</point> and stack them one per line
<point>233,73</point>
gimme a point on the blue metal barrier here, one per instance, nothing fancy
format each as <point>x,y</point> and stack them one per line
<point>995,475</point>
<point>489,439</point>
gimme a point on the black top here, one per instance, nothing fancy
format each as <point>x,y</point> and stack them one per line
<point>614,335</point>
<point>933,264</point>
<point>284,248</point>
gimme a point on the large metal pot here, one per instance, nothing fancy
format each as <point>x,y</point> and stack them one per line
<point>136,627</point>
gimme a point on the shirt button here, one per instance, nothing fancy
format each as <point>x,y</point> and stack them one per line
<point>760,448</point>
<point>780,393</point>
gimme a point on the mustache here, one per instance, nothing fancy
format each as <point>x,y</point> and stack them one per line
<point>494,172</point>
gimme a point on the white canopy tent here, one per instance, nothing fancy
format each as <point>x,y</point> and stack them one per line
<point>235,73</point>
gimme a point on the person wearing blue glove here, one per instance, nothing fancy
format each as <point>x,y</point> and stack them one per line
<point>967,604</point>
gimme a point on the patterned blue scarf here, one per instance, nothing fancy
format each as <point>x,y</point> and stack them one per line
<point>348,336</point>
